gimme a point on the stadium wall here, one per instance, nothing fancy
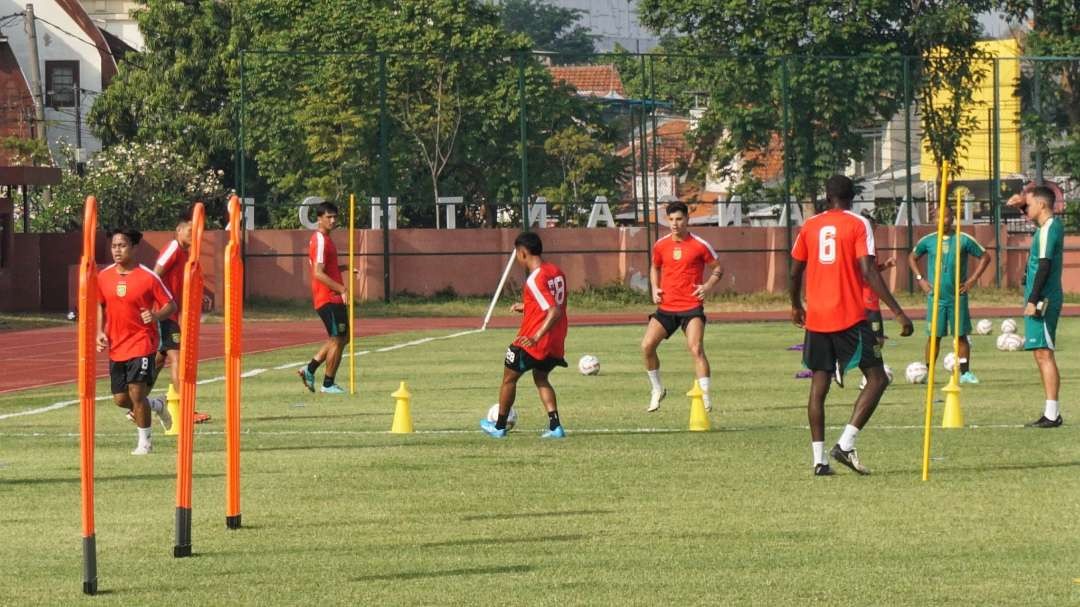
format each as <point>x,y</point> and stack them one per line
<point>43,276</point>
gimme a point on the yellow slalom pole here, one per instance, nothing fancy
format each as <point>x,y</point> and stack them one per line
<point>944,199</point>
<point>957,249</point>
<point>352,294</point>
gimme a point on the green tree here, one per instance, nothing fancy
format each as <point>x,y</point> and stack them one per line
<point>588,166</point>
<point>834,67</point>
<point>552,29</point>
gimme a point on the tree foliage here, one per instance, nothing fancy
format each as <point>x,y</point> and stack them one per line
<point>552,29</point>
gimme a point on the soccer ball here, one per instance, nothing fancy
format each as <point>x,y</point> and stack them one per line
<point>1008,326</point>
<point>71,316</point>
<point>1010,342</point>
<point>588,365</point>
<point>949,362</point>
<point>511,418</point>
<point>916,373</point>
<point>888,373</point>
<point>984,327</point>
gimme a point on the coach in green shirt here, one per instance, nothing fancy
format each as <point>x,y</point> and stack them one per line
<point>1043,294</point>
<point>947,320</point>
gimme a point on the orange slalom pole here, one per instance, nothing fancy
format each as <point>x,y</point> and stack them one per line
<point>234,311</point>
<point>190,317</point>
<point>87,360</point>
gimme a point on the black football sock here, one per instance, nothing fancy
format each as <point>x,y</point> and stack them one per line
<point>500,424</point>
<point>328,380</point>
<point>964,366</point>
<point>313,366</point>
<point>553,420</point>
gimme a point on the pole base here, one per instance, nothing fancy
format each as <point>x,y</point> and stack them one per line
<point>89,587</point>
<point>232,522</point>
<point>181,551</point>
<point>89,545</point>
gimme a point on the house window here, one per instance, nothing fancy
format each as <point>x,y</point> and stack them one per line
<point>872,162</point>
<point>61,83</point>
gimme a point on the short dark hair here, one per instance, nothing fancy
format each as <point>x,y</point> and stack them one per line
<point>840,187</point>
<point>677,206</point>
<point>133,235</point>
<point>325,207</point>
<point>530,241</point>
<point>185,216</point>
<point>1045,193</point>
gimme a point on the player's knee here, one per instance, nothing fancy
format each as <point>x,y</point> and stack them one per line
<point>697,350</point>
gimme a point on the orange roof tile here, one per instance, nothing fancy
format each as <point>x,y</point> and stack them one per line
<point>590,80</point>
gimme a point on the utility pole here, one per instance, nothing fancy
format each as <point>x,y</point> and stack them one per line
<point>39,106</point>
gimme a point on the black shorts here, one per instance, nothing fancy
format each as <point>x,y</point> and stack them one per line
<point>842,351</point>
<point>170,335</point>
<point>517,359</point>
<point>335,317</point>
<point>877,323</point>
<point>672,321</point>
<point>135,371</point>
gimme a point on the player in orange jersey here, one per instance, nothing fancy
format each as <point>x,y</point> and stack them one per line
<point>678,265</point>
<point>539,346</point>
<point>835,249</point>
<point>133,301</point>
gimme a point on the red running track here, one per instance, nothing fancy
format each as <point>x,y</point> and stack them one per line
<point>44,357</point>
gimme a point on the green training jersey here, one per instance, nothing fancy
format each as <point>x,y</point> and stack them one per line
<point>1048,242</point>
<point>927,245</point>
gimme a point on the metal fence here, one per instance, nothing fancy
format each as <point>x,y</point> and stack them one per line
<point>524,139</point>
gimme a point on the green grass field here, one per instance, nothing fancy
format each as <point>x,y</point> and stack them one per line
<point>630,509</point>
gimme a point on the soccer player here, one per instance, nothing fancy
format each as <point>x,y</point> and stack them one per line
<point>678,264</point>
<point>835,249</point>
<point>1043,294</point>
<point>539,343</point>
<point>967,247</point>
<point>170,267</point>
<point>327,289</point>
<point>133,301</point>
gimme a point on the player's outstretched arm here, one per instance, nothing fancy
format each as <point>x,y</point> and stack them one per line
<point>798,314</point>
<point>868,265</point>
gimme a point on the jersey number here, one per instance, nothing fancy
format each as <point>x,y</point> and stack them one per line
<point>827,245</point>
<point>558,287</point>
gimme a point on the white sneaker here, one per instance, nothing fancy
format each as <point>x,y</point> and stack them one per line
<point>142,450</point>
<point>654,401</point>
<point>163,415</point>
<point>708,404</point>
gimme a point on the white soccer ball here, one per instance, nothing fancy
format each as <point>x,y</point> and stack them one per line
<point>984,327</point>
<point>888,373</point>
<point>1010,342</point>
<point>493,416</point>
<point>588,365</point>
<point>1008,326</point>
<point>949,362</point>
<point>71,316</point>
<point>916,373</point>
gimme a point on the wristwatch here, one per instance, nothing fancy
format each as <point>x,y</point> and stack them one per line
<point>918,277</point>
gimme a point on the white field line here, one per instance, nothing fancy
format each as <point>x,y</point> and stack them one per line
<point>251,432</point>
<point>252,373</point>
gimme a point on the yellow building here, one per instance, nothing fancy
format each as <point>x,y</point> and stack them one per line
<point>975,162</point>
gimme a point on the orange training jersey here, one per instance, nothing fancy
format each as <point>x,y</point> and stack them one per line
<point>545,287</point>
<point>125,296</point>
<point>682,265</point>
<point>172,260</point>
<point>831,244</point>
<point>322,250</point>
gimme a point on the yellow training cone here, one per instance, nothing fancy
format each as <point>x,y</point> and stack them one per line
<point>402,416</point>
<point>952,417</point>
<point>172,403</point>
<point>699,418</point>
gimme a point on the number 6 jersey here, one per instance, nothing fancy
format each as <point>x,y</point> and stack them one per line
<point>545,287</point>
<point>831,244</point>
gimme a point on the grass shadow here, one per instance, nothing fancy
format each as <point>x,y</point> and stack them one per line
<point>501,516</point>
<point>101,479</point>
<point>504,540</point>
<point>419,575</point>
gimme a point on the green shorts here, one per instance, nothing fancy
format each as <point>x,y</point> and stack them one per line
<point>1041,333</point>
<point>946,321</point>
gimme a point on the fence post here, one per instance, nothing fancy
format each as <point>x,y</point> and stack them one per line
<point>384,176</point>
<point>524,143</point>
<point>907,161</point>
<point>1036,94</point>
<point>995,194</point>
<point>644,145</point>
